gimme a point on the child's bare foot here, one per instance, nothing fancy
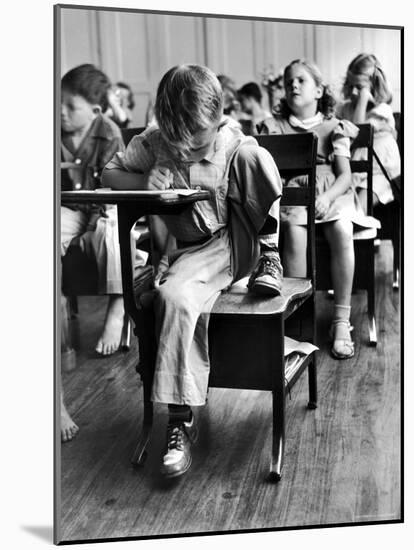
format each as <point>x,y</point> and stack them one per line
<point>110,338</point>
<point>68,429</point>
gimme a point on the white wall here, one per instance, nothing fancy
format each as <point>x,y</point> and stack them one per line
<point>139,48</point>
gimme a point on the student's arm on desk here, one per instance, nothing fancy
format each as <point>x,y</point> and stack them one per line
<point>119,179</point>
<point>158,178</point>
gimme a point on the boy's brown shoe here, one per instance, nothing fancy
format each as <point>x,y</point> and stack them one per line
<point>177,458</point>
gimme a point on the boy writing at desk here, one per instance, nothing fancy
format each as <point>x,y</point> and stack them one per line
<point>193,147</point>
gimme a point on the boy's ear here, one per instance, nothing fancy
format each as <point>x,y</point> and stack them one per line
<point>97,109</point>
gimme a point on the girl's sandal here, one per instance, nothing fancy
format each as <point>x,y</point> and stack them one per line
<point>342,348</point>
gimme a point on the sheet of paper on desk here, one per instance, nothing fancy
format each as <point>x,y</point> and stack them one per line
<point>181,192</point>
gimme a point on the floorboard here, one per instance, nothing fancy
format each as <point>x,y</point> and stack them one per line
<point>342,461</point>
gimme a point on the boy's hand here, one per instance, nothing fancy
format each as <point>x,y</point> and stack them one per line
<point>160,178</point>
<point>322,205</point>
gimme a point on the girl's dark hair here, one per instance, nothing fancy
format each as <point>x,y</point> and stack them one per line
<point>90,83</point>
<point>131,102</point>
<point>326,103</point>
<point>368,64</point>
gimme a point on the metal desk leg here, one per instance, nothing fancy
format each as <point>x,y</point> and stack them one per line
<point>396,246</point>
<point>127,215</point>
<point>309,335</point>
<point>145,332</point>
<point>371,300</point>
<point>140,453</point>
<point>278,402</point>
<point>313,392</point>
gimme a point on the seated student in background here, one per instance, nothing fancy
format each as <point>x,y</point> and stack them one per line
<point>250,96</point>
<point>121,102</point>
<point>309,107</point>
<point>277,93</point>
<point>274,87</point>
<point>367,99</point>
<point>195,147</point>
<point>89,140</point>
<point>231,105</point>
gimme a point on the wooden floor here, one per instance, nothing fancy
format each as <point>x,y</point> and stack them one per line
<point>342,461</point>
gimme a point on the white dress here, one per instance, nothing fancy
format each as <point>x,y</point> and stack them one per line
<point>334,139</point>
<point>385,145</point>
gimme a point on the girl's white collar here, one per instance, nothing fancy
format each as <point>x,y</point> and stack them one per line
<point>307,123</point>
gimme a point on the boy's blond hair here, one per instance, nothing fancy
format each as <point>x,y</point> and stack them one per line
<point>189,100</point>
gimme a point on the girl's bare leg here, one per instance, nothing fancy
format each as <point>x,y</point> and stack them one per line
<point>294,254</point>
<point>339,235</point>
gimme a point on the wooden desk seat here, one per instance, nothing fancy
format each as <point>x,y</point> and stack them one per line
<point>238,300</point>
<point>240,318</point>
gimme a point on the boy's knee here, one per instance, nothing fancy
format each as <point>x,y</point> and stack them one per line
<point>256,164</point>
<point>172,294</point>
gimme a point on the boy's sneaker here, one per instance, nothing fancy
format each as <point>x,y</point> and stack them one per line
<point>177,458</point>
<point>267,276</point>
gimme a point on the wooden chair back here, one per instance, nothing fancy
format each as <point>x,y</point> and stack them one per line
<point>365,140</point>
<point>295,155</point>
